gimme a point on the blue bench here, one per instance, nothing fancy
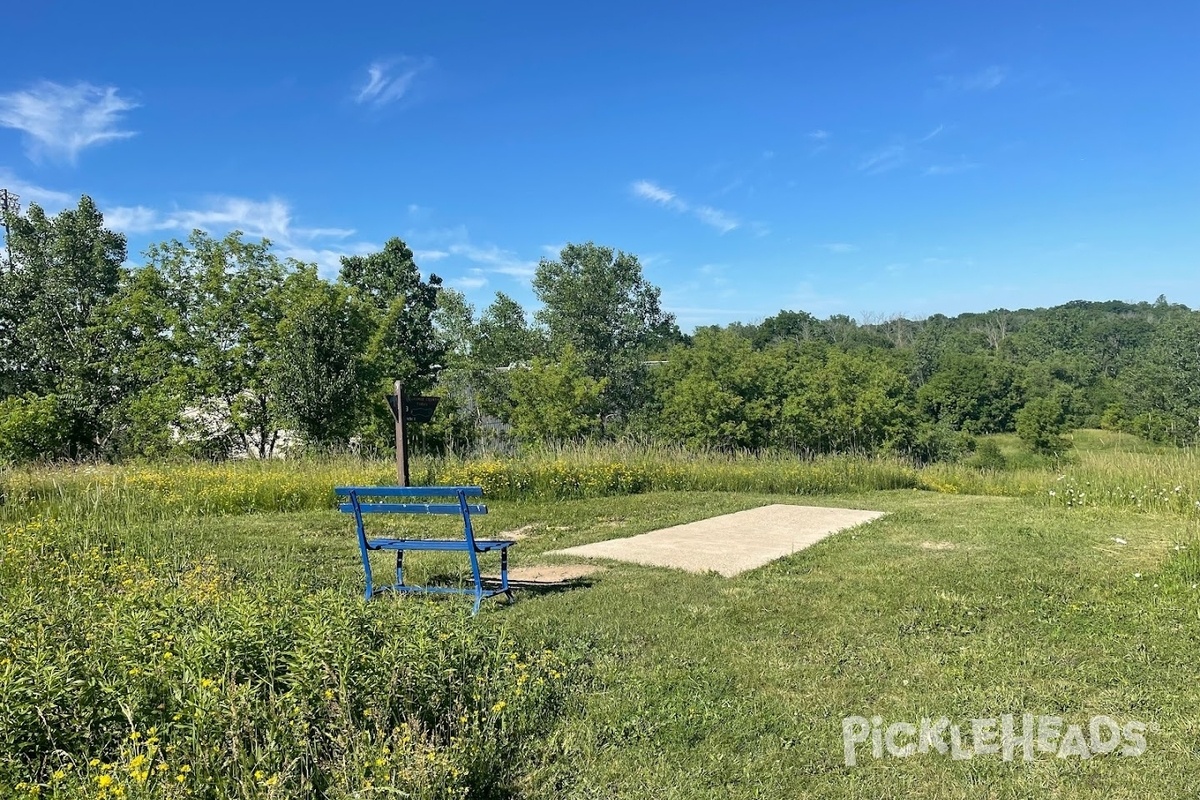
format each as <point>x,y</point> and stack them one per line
<point>362,500</point>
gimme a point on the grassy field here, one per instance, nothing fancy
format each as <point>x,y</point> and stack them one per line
<point>638,682</point>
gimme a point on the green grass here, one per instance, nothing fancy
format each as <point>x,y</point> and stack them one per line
<point>676,685</point>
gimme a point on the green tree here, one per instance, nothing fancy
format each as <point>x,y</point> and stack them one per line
<point>717,393</point>
<point>1164,385</point>
<point>322,378</point>
<point>53,298</point>
<point>839,401</point>
<point>973,393</point>
<point>1039,424</point>
<point>33,428</point>
<point>598,301</point>
<point>793,326</point>
<point>405,344</point>
<point>226,299</point>
<point>555,400</point>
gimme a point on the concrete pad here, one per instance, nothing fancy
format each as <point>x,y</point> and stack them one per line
<point>731,543</point>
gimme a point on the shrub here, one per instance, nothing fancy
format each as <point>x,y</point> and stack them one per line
<point>33,428</point>
<point>988,456</point>
<point>1039,424</point>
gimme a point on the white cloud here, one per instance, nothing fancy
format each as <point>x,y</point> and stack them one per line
<point>716,218</point>
<point>840,248</point>
<point>475,279</point>
<point>50,200</point>
<point>390,80</point>
<point>269,219</point>
<point>722,221</point>
<point>819,135</point>
<point>429,255</point>
<point>657,194</point>
<point>931,134</point>
<point>884,159</point>
<point>983,81</point>
<point>496,259</point>
<point>61,121</point>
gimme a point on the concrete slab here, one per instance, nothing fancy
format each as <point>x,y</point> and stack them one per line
<point>731,543</point>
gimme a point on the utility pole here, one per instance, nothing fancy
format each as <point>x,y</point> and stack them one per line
<point>9,204</point>
<point>401,441</point>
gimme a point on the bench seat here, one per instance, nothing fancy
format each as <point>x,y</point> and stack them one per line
<point>481,545</point>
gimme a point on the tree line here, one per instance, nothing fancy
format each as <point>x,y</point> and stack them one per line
<point>215,347</point>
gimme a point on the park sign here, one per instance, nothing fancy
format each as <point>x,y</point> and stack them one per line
<point>416,409</point>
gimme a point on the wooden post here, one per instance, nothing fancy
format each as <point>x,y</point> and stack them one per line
<point>401,441</point>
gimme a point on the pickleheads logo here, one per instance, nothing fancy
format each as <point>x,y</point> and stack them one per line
<point>1009,736</point>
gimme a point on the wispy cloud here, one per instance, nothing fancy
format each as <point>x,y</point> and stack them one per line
<point>269,219</point>
<point>496,259</point>
<point>722,221</point>
<point>715,218</point>
<point>820,140</point>
<point>932,134</point>
<point>839,248</point>
<point>455,243</point>
<point>49,199</point>
<point>657,194</point>
<point>391,80</point>
<point>982,81</point>
<point>61,121</point>
<point>883,159</point>
<point>474,279</point>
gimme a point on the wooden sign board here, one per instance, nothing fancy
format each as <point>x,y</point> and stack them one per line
<point>416,409</point>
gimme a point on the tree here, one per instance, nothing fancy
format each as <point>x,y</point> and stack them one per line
<point>839,401</point>
<point>599,302</point>
<point>406,346</point>
<point>504,337</point>
<point>64,271</point>
<point>226,297</point>
<point>1164,385</point>
<point>555,400</point>
<point>796,326</point>
<point>717,393</point>
<point>1039,424</point>
<point>321,373</point>
<point>973,393</point>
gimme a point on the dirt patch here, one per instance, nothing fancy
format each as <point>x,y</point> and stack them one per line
<point>550,573</point>
<point>938,546</point>
<point>517,534</point>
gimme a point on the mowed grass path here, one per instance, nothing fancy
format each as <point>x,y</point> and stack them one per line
<point>700,686</point>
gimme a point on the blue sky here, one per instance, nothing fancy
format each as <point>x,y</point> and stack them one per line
<point>851,157</point>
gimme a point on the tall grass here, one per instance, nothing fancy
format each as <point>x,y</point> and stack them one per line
<point>244,486</point>
<point>1165,482</point>
<point>1110,470</point>
<point>120,678</point>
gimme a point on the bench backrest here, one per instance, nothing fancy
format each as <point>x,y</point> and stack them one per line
<point>356,494</point>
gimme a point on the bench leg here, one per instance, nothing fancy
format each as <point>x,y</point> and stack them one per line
<point>504,575</point>
<point>369,592</point>
<point>399,567</point>
<point>478,579</point>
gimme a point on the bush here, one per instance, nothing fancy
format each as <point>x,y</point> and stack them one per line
<point>988,456</point>
<point>1039,424</point>
<point>33,428</point>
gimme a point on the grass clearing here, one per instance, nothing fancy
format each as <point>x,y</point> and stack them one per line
<point>673,684</point>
